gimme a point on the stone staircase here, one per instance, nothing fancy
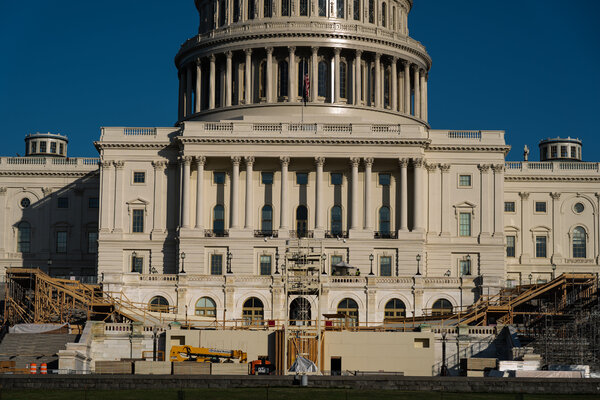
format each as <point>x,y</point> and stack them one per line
<point>27,348</point>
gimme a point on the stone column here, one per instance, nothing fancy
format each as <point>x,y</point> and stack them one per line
<point>394,84</point>
<point>185,206</point>
<point>314,79</point>
<point>235,184</point>
<point>212,84</point>
<point>357,78</point>
<point>198,98</point>
<point>188,90</point>
<point>486,206</point>
<point>423,96</point>
<point>200,162</point>
<point>368,176</point>
<point>400,92</point>
<point>106,196</point>
<point>319,161</point>
<point>292,91</point>
<point>425,107</point>
<point>269,83</point>
<point>434,200</point>
<point>499,199</point>
<point>249,217</point>
<point>403,194</point>
<point>158,225</point>
<point>336,73</point>
<point>556,248</point>
<point>526,239</point>
<point>248,76</point>
<point>228,79</point>
<point>354,162</point>
<point>419,198</point>
<point>118,223</point>
<point>445,229</point>
<point>378,80</point>
<point>283,214</point>
<point>407,88</point>
<point>417,92</point>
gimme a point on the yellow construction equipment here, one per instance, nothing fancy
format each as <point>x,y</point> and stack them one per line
<point>203,354</point>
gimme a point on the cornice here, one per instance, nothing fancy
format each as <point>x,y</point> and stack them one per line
<point>475,148</point>
<point>551,178</point>
<point>129,145</point>
<point>49,173</point>
<point>246,140</point>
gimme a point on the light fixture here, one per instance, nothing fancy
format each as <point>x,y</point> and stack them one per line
<point>418,258</point>
<point>371,258</point>
<point>530,278</point>
<point>277,262</point>
<point>229,258</point>
<point>182,263</point>
<point>447,273</point>
<point>323,259</point>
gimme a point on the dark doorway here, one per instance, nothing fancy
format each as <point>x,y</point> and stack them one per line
<point>336,366</point>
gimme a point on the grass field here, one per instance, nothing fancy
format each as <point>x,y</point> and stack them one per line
<point>268,394</point>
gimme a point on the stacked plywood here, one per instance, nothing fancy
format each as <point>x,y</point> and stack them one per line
<point>191,368</point>
<point>114,367</point>
<point>477,366</point>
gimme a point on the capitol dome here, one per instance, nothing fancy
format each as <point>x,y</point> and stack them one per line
<point>256,59</point>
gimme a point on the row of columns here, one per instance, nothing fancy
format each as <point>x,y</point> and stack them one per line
<point>419,198</point>
<point>405,81</point>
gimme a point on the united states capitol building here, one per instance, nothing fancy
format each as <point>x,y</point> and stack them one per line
<point>301,123</point>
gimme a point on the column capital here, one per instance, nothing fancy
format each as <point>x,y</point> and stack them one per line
<point>524,195</point>
<point>105,164</point>
<point>555,195</point>
<point>3,190</point>
<point>337,51</point>
<point>320,161</point>
<point>269,50</point>
<point>249,160</point>
<point>119,164</point>
<point>186,160</point>
<point>200,160</point>
<point>359,53</point>
<point>47,191</point>
<point>484,168</point>
<point>199,62</point>
<point>377,56</point>
<point>403,162</point>
<point>314,50</point>
<point>292,49</point>
<point>284,160</point>
<point>159,165</point>
<point>212,58</point>
<point>445,168</point>
<point>369,161</point>
<point>229,54</point>
<point>431,167</point>
<point>235,160</point>
<point>498,168</point>
<point>415,68</point>
<point>394,59</point>
<point>418,162</point>
<point>248,52</point>
<point>355,162</point>
<point>406,64</point>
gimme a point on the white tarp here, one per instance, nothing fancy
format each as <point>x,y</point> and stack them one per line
<point>303,365</point>
<point>585,369</point>
<point>35,328</point>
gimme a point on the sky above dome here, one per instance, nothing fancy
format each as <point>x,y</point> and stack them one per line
<point>529,67</point>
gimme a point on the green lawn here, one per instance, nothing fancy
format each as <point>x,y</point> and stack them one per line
<point>270,394</point>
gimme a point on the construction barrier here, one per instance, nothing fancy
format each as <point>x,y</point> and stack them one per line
<point>33,369</point>
<point>43,369</point>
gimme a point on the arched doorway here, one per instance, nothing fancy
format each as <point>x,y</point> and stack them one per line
<point>300,311</point>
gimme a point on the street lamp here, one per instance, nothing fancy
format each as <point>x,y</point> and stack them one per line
<point>133,258</point>
<point>553,271</point>
<point>530,278</point>
<point>323,259</point>
<point>182,262</point>
<point>371,257</point>
<point>418,262</point>
<point>229,257</point>
<point>468,258</point>
<point>447,273</point>
<point>276,261</point>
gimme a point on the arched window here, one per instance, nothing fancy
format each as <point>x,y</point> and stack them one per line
<point>251,9</point>
<point>219,219</point>
<point>266,219</point>
<point>371,11</point>
<point>159,304</point>
<point>384,220</point>
<point>340,8</point>
<point>206,307</point>
<point>302,71</point>
<point>343,79</point>
<point>301,221</point>
<point>253,312</point>
<point>262,81</point>
<point>322,8</point>
<point>356,9</point>
<point>441,307</point>
<point>24,237</point>
<point>579,242</point>
<point>285,8</point>
<point>322,79</point>
<point>386,87</point>
<point>300,311</point>
<point>222,12</point>
<point>395,308</point>
<point>282,87</point>
<point>383,14</point>
<point>349,308</point>
<point>268,9</point>
<point>303,8</point>
<point>336,221</point>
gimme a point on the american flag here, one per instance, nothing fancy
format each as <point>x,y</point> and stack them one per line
<point>306,88</point>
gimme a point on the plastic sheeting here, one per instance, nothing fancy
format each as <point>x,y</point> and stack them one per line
<point>35,328</point>
<point>303,365</point>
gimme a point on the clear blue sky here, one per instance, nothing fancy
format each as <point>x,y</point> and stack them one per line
<point>530,67</point>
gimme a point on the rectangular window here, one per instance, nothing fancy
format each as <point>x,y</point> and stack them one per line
<point>385,179</point>
<point>509,206</point>
<point>563,152</point>
<point>335,260</point>
<point>336,178</point>
<point>510,246</point>
<point>322,8</point>
<point>573,152</point>
<point>53,147</point>
<point>92,242</point>
<point>61,242</point>
<point>356,10</point>
<point>93,202</point>
<point>139,177</point>
<point>540,246</point>
<point>42,147</point>
<point>63,202</point>
<point>464,181</point>
<point>218,178</point>
<point>540,206</point>
<point>265,265</point>
<point>137,225</point>
<point>302,178</point>
<point>216,264</point>
<point>61,149</point>
<point>553,152</point>
<point>267,178</point>
<point>465,267</point>
<point>385,266</point>
<point>33,147</point>
<point>137,264</point>
<point>464,224</point>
